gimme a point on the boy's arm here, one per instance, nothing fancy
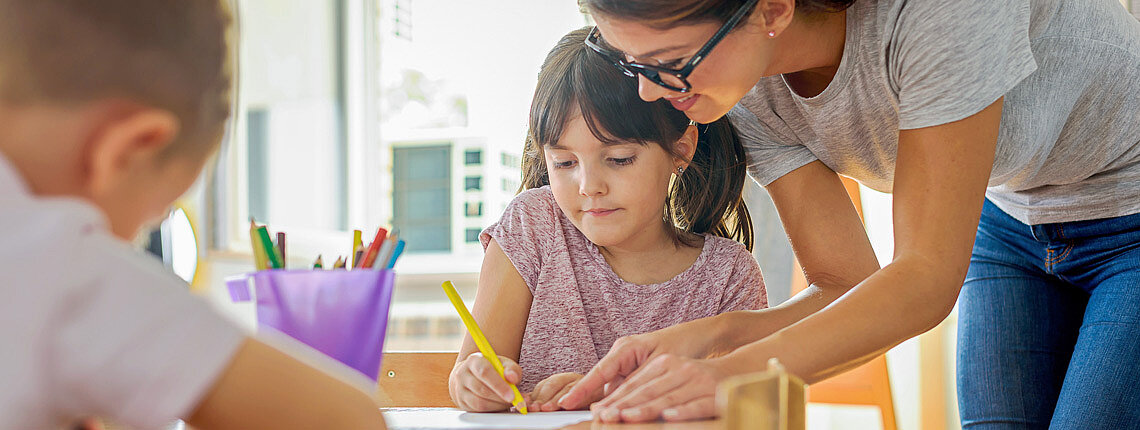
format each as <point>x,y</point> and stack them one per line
<point>266,388</point>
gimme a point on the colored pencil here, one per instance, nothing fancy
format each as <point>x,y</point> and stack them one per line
<point>374,248</point>
<point>481,341</point>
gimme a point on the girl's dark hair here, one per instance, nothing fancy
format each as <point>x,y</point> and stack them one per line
<point>705,199</point>
<point>668,13</point>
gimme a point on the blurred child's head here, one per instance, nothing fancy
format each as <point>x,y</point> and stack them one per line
<point>612,159</point>
<point>119,102</point>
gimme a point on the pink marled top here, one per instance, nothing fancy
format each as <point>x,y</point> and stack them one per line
<point>581,306</point>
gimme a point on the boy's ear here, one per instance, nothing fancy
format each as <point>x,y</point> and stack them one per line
<point>686,146</point>
<point>124,144</point>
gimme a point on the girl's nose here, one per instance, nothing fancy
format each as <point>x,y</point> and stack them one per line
<point>591,184</point>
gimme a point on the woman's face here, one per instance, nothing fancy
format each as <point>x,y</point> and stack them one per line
<point>718,83</point>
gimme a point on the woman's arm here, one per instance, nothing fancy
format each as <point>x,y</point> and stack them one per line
<point>502,306</point>
<point>941,175</point>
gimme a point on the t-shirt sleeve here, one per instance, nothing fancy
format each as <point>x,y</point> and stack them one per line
<point>524,231</point>
<point>134,344</point>
<point>770,156</point>
<point>745,289</point>
<point>948,60</point>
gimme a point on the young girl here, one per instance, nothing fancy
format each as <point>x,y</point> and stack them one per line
<point>632,221</point>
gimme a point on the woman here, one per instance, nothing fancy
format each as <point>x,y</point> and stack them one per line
<point>1020,115</point>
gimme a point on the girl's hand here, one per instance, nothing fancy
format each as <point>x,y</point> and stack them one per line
<point>475,386</point>
<point>545,396</point>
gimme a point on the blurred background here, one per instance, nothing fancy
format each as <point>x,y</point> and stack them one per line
<point>354,114</point>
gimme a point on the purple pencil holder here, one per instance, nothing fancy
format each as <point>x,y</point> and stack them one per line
<point>341,313</point>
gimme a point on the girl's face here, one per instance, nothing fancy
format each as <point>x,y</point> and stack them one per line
<point>718,82</point>
<point>614,194</point>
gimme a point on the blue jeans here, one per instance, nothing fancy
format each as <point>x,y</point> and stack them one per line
<point>1049,325</point>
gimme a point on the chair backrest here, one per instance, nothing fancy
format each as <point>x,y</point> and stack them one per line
<point>415,379</point>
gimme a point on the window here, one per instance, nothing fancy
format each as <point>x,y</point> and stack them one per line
<point>473,235</point>
<point>473,183</point>
<point>474,208</point>
<point>511,160</point>
<point>422,197</point>
<point>473,157</point>
<point>510,185</point>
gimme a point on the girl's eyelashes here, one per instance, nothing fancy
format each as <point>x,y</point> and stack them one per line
<point>623,161</point>
<point>563,164</point>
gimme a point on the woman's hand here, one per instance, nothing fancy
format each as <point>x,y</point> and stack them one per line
<point>475,386</point>
<point>669,387</point>
<point>693,339</point>
<point>545,396</point>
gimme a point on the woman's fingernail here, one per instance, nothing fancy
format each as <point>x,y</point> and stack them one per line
<point>632,413</point>
<point>670,413</point>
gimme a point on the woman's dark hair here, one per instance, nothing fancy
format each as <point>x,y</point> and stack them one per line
<point>668,13</point>
<point>705,199</point>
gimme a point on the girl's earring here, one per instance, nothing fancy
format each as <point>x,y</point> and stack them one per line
<point>680,170</point>
<point>772,34</point>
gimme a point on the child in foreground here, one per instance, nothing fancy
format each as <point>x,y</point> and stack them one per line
<point>631,221</point>
<point>109,110</point>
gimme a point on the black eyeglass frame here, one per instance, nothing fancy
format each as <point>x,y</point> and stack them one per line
<point>653,73</point>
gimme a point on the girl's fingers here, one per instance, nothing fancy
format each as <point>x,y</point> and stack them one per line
<point>476,397</point>
<point>484,372</point>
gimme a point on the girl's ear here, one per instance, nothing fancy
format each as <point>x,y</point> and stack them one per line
<point>685,147</point>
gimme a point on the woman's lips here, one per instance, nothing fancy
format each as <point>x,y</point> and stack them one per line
<point>684,103</point>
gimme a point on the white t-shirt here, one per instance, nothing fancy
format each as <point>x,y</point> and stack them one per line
<point>1068,147</point>
<point>89,326</point>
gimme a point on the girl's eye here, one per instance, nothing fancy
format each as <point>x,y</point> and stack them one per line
<point>623,161</point>
<point>563,164</point>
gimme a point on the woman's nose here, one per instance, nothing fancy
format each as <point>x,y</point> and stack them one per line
<point>648,90</point>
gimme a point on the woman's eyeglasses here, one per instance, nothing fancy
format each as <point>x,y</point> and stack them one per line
<point>673,79</point>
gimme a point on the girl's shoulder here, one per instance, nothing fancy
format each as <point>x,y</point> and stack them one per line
<point>729,255</point>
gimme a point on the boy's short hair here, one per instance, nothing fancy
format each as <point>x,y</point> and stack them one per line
<point>168,54</point>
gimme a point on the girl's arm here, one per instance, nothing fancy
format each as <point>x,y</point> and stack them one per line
<point>502,306</point>
<point>940,180</point>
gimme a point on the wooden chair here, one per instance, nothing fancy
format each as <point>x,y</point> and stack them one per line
<point>415,379</point>
<point>868,384</point>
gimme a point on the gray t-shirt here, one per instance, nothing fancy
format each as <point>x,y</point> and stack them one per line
<point>1069,144</point>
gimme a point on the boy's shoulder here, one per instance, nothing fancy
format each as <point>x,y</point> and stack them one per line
<point>94,312</point>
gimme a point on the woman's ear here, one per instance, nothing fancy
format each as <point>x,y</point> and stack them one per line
<point>774,15</point>
<point>685,147</point>
<point>124,144</point>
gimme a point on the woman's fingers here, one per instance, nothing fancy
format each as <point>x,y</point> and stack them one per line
<point>668,382</point>
<point>697,409</point>
<point>624,358</point>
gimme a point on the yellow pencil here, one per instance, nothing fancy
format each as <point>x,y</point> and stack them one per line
<point>260,258</point>
<point>357,243</point>
<point>481,341</point>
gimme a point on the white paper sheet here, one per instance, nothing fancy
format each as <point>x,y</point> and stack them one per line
<point>443,418</point>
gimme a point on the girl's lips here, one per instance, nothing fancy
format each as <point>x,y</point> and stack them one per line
<point>684,103</point>
<point>600,212</point>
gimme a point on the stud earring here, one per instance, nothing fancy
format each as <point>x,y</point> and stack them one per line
<point>771,34</point>
<point>680,170</point>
